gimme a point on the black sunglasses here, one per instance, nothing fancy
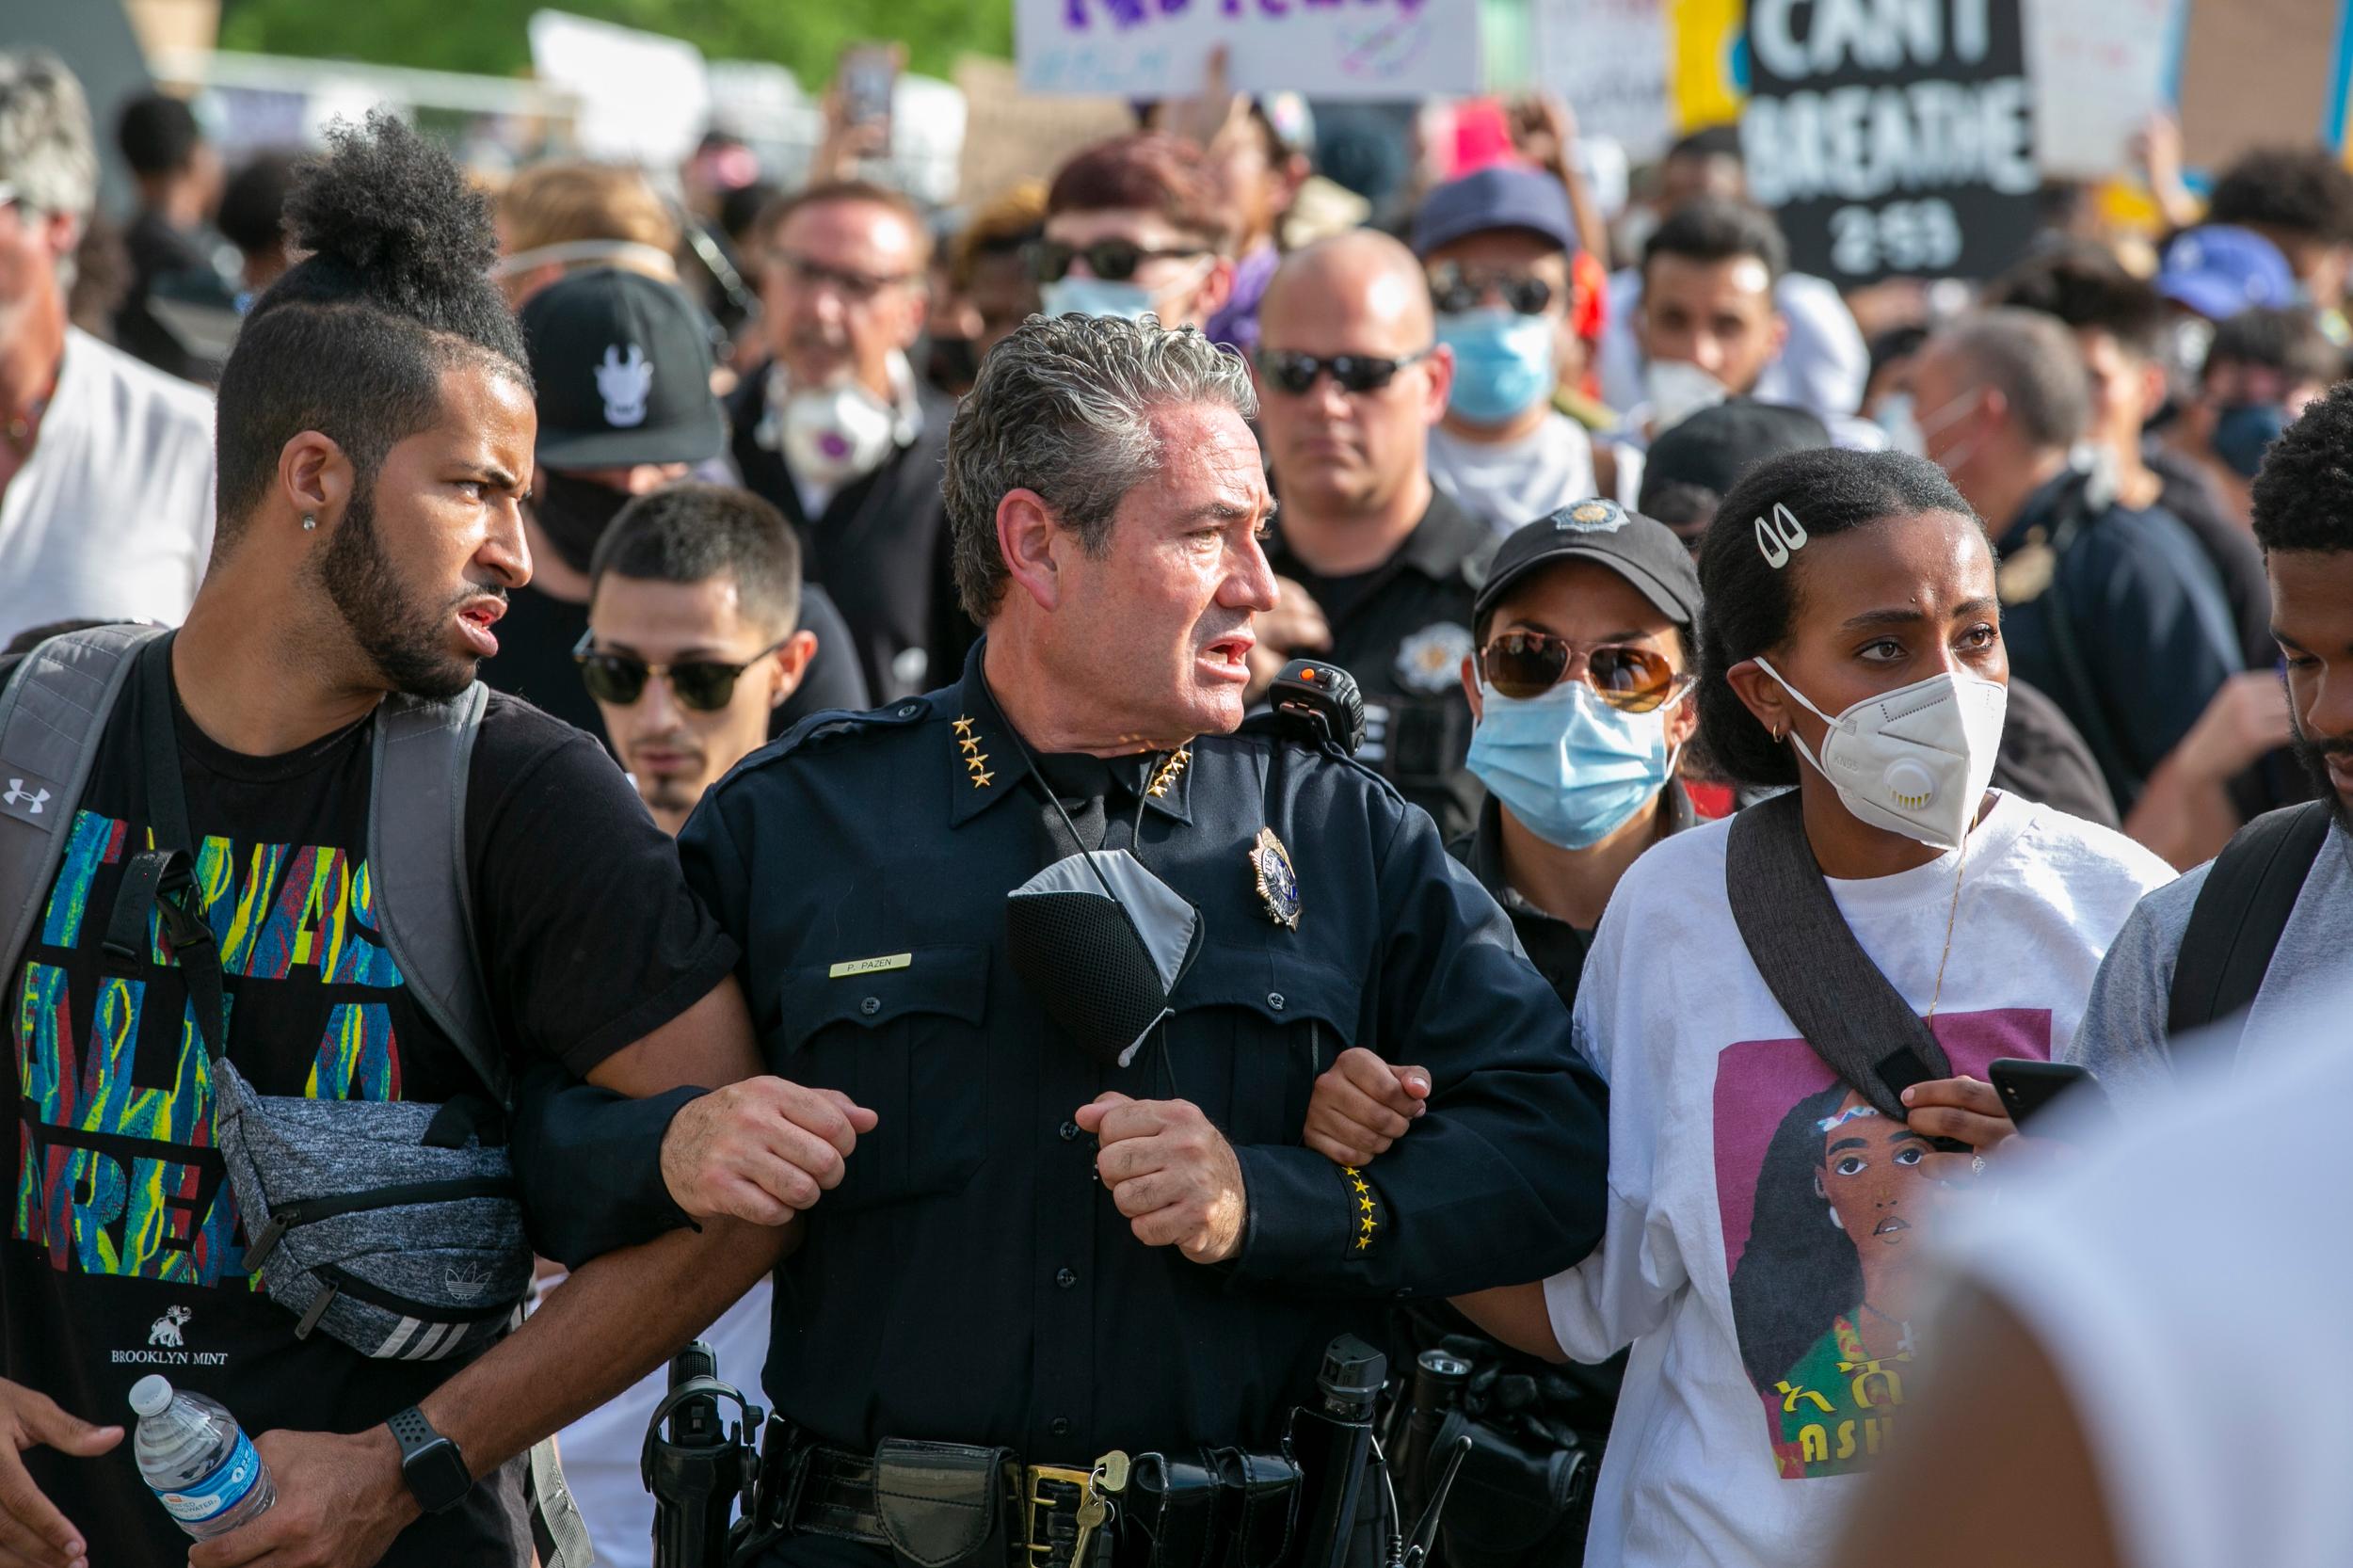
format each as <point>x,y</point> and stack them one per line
<point>1358,372</point>
<point>701,684</point>
<point>1454,291</point>
<point>1113,261</point>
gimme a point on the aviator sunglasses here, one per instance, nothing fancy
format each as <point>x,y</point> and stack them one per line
<point>702,685</point>
<point>1358,372</point>
<point>1523,665</point>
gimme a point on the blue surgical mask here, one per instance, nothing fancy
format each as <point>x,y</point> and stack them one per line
<point>1902,423</point>
<point>2243,432</point>
<point>1094,296</point>
<point>1502,362</point>
<point>1571,768</point>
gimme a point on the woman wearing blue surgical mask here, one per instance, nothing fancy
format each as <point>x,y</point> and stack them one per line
<point>1769,1212</point>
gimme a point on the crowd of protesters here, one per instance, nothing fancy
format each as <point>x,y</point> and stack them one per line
<point>1625,530</point>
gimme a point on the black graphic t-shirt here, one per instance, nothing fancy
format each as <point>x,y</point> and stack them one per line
<point>123,1254</point>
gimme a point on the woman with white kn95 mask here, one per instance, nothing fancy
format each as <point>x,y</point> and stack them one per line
<point>1796,1008</point>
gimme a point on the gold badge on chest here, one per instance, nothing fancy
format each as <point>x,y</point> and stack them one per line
<point>1278,880</point>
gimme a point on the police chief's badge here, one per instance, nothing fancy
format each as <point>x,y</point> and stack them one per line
<point>1278,885</point>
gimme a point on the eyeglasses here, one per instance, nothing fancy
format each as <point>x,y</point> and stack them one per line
<point>856,287</point>
<point>1632,679</point>
<point>1113,261</point>
<point>1296,373</point>
<point>702,685</point>
<point>1454,291</point>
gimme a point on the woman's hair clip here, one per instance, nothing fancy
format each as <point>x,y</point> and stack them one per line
<point>1779,536</point>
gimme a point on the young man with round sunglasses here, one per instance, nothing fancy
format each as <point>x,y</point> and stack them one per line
<point>1496,246</point>
<point>693,639</point>
<point>1134,226</point>
<point>1375,568</point>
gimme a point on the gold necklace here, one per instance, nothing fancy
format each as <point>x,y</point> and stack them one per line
<point>1952,913</point>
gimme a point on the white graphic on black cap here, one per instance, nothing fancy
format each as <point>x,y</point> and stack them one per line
<point>624,385</point>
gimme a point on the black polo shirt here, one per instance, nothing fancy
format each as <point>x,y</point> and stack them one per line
<point>1401,630</point>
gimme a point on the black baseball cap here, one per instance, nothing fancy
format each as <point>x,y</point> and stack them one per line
<point>1499,197</point>
<point>1714,447</point>
<point>623,366</point>
<point>1641,549</point>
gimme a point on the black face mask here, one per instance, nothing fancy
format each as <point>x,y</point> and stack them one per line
<point>574,514</point>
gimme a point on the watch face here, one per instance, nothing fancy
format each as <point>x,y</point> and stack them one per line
<point>437,1476</point>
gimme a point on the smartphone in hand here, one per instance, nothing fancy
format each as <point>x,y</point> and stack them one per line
<point>2028,1088</point>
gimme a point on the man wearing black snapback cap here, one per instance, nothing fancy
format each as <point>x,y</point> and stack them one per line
<point>621,364</point>
<point>1691,466</point>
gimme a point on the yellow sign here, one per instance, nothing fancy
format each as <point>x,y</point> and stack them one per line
<point>868,966</point>
<point>1701,37</point>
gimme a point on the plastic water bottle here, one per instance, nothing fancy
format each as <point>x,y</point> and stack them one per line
<point>196,1459</point>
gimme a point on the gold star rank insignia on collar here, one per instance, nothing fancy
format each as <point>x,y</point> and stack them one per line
<point>975,760</point>
<point>1177,762</point>
<point>1278,883</point>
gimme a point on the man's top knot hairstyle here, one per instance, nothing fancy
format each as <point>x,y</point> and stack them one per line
<point>354,340</point>
<point>2303,497</point>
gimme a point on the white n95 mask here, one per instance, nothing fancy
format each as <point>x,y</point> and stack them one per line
<point>1915,760</point>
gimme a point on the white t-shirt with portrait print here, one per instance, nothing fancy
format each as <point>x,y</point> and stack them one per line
<point>1765,1224</point>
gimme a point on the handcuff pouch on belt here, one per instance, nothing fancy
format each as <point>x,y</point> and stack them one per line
<point>1215,1508</point>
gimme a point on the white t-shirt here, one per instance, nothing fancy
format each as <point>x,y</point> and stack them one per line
<point>111,518</point>
<point>1736,1153</point>
<point>2190,1284</point>
<point>1511,483</point>
<point>600,1450</point>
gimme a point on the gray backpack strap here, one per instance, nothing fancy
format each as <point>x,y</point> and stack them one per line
<point>52,713</point>
<point>557,1529</point>
<point>1856,1022</point>
<point>417,858</point>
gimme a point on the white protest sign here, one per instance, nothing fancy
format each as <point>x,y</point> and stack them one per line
<point>2098,70</point>
<point>1608,59</point>
<point>644,98</point>
<point>1345,49</point>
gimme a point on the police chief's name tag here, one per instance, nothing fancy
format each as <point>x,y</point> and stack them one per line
<point>849,966</point>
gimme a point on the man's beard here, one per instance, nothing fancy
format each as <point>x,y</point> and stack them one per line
<point>2313,757</point>
<point>402,637</point>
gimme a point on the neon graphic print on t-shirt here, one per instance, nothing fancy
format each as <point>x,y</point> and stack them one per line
<point>1825,1205</point>
<point>117,1172</point>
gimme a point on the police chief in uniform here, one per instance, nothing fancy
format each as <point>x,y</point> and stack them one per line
<point>1047,1165</point>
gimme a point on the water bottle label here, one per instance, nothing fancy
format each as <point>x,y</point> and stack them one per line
<point>219,1492</point>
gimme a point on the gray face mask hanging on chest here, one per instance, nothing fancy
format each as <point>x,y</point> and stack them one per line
<point>1101,943</point>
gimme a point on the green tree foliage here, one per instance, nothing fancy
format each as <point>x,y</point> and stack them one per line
<point>488,37</point>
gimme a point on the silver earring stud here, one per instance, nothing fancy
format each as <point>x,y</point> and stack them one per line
<point>309,522</point>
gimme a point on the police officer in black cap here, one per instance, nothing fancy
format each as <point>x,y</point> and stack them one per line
<point>1587,632</point>
<point>1072,951</point>
<point>621,364</point>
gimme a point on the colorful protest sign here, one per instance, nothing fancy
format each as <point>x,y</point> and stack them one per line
<point>1895,137</point>
<point>1347,49</point>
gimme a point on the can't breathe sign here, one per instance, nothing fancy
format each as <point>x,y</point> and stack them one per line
<point>1895,137</point>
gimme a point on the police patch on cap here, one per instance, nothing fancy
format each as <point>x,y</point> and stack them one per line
<point>1592,516</point>
<point>1278,883</point>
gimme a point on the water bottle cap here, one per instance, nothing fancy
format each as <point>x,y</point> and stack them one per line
<point>151,1395</point>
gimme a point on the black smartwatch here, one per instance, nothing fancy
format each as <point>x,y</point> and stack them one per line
<point>434,1470</point>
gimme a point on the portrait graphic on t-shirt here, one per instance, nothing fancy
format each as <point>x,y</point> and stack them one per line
<point>1826,1203</point>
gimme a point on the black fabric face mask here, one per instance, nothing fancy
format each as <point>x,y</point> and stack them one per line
<point>1102,947</point>
<point>574,514</point>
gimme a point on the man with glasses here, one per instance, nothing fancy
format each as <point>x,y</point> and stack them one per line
<point>1496,245</point>
<point>839,433</point>
<point>1375,568</point>
<point>106,464</point>
<point>1137,225</point>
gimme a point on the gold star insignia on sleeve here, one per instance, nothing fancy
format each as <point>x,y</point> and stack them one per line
<point>1365,1204</point>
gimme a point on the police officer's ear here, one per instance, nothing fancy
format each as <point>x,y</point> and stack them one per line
<point>787,664</point>
<point>1032,541</point>
<point>1470,686</point>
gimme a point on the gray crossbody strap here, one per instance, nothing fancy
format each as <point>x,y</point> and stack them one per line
<point>1856,1022</point>
<point>52,713</point>
<point>417,857</point>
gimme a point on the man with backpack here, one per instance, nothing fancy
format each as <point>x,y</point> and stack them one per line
<point>2269,919</point>
<point>286,901</point>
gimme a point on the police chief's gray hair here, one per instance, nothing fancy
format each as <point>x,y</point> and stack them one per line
<point>46,149</point>
<point>1063,407</point>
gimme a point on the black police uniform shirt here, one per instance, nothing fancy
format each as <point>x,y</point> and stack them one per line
<point>970,1279</point>
<point>538,632</point>
<point>879,547</point>
<point>1401,630</point>
<point>2123,624</point>
<point>124,1247</point>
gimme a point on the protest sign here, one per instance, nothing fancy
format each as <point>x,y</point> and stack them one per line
<point>644,97</point>
<point>1345,49</point>
<point>2262,73</point>
<point>1011,135</point>
<point>1705,76</point>
<point>2099,69</point>
<point>1894,136</point>
<point>1608,59</point>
